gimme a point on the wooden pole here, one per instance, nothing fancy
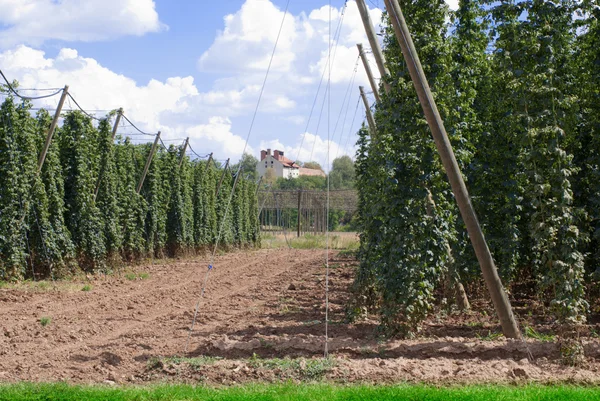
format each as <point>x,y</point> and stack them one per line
<point>460,294</point>
<point>209,160</point>
<point>117,121</point>
<point>185,145</point>
<point>444,147</point>
<point>374,43</point>
<point>114,133</point>
<point>148,161</point>
<point>370,120</point>
<point>299,201</point>
<point>222,177</point>
<point>365,62</point>
<point>61,103</point>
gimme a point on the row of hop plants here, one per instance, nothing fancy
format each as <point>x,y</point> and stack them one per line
<point>518,85</point>
<point>52,223</point>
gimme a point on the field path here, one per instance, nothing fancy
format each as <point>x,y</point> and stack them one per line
<point>266,303</point>
<point>116,327</point>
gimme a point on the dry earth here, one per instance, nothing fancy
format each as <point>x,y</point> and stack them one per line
<point>258,306</point>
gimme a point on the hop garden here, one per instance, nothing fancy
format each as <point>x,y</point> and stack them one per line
<point>83,210</point>
<point>517,84</point>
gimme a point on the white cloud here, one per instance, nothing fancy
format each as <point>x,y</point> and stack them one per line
<point>245,44</point>
<point>296,119</point>
<point>217,135</point>
<point>242,50</point>
<point>96,87</point>
<point>214,119</point>
<point>175,106</point>
<point>248,39</point>
<point>36,21</point>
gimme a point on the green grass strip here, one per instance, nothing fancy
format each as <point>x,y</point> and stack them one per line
<point>282,392</point>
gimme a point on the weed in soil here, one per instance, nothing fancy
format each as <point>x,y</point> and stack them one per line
<point>489,336</point>
<point>45,321</point>
<point>194,363</point>
<point>300,368</point>
<point>131,276</point>
<point>531,333</point>
<point>43,285</point>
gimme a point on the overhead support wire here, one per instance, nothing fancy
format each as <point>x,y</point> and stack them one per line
<point>163,144</point>
<point>345,104</point>
<point>351,126</point>
<point>10,88</point>
<point>222,225</point>
<point>338,30</point>
<point>135,127</point>
<point>190,149</point>
<point>326,345</point>
<point>82,110</point>
<point>330,60</point>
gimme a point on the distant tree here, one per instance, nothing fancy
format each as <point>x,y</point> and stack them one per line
<point>269,178</point>
<point>342,173</point>
<point>307,182</point>
<point>248,163</point>
<point>313,165</point>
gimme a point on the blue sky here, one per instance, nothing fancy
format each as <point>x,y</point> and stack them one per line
<point>194,68</point>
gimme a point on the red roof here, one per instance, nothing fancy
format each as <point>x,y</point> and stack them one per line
<point>312,172</point>
<point>287,162</point>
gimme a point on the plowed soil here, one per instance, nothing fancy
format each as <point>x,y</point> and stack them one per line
<point>258,305</point>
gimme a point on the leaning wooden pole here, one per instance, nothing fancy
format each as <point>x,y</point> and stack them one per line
<point>299,218</point>
<point>114,133</point>
<point>458,289</point>
<point>50,133</point>
<point>370,76</point>
<point>185,145</point>
<point>117,122</point>
<point>374,43</point>
<point>148,161</point>
<point>370,119</point>
<point>444,147</point>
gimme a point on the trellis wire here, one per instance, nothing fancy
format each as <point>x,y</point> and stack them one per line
<point>236,176</point>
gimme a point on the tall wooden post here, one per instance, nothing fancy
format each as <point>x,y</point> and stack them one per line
<point>114,133</point>
<point>185,145</point>
<point>117,121</point>
<point>209,160</point>
<point>460,294</point>
<point>61,103</point>
<point>374,43</point>
<point>299,214</point>
<point>370,119</point>
<point>444,147</point>
<point>365,62</point>
<point>222,177</point>
<point>148,161</point>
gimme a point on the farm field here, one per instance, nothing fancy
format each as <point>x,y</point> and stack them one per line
<point>261,321</point>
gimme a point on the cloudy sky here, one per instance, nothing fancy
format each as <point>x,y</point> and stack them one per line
<point>195,68</point>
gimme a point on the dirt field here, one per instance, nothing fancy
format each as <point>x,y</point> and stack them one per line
<point>259,306</point>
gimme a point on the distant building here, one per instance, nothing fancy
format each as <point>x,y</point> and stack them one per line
<point>282,166</point>
<point>312,171</point>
